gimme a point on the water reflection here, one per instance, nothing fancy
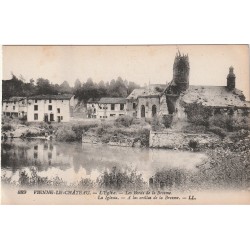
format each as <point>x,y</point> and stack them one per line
<point>73,161</point>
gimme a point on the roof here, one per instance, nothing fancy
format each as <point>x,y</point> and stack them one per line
<point>93,100</point>
<point>14,99</point>
<point>52,97</point>
<point>112,100</point>
<point>214,96</point>
<point>145,92</point>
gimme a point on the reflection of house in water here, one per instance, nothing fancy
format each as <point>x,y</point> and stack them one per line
<point>47,154</point>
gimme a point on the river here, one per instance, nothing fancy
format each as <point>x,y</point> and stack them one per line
<point>73,161</point>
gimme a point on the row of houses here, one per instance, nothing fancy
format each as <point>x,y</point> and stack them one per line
<point>48,108</point>
<point>60,108</point>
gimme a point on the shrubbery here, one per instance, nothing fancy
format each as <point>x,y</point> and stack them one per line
<point>118,179</point>
<point>198,114</point>
<point>193,144</point>
<point>124,120</point>
<point>167,120</point>
<point>218,131</point>
<point>66,134</point>
<point>7,127</point>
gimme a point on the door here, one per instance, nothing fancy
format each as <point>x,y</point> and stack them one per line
<point>58,118</point>
<point>46,119</point>
<point>51,117</point>
<point>154,110</point>
<point>142,111</point>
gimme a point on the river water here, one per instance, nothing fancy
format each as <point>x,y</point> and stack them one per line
<point>73,161</point>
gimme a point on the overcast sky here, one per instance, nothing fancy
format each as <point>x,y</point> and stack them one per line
<point>209,64</point>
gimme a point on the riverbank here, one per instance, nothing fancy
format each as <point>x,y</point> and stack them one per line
<point>128,132</point>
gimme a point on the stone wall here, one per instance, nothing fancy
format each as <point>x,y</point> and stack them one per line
<point>177,140</point>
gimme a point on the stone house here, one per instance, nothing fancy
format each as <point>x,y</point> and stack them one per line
<point>15,107</point>
<point>145,102</point>
<point>50,108</point>
<point>106,107</point>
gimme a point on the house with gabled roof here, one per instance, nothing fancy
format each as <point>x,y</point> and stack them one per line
<point>50,108</point>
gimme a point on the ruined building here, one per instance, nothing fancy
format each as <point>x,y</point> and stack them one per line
<point>174,98</point>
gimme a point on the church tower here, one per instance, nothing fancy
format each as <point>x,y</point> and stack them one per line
<point>231,79</point>
<point>181,72</point>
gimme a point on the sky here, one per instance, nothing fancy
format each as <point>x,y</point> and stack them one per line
<point>209,64</point>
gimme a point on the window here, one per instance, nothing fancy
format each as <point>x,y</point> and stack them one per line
<point>121,106</point>
<point>50,107</point>
<point>121,114</point>
<point>36,147</point>
<point>49,100</point>
<point>58,110</point>
<point>35,107</point>
<point>14,102</point>
<point>61,118</point>
<point>134,105</point>
<point>112,114</point>
<point>35,100</point>
<point>49,155</point>
<point>35,116</point>
<point>14,107</point>
<point>35,155</point>
<point>112,106</point>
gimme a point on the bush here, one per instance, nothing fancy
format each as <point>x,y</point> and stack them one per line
<point>118,179</point>
<point>79,129</point>
<point>218,131</point>
<point>167,120</point>
<point>7,127</point>
<point>66,134</point>
<point>193,144</point>
<point>229,123</point>
<point>143,136</point>
<point>125,121</point>
<point>198,114</point>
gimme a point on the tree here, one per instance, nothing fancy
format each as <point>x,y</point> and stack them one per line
<point>43,87</point>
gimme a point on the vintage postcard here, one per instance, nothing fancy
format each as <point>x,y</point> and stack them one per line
<point>145,124</point>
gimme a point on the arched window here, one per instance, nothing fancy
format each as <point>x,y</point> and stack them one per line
<point>154,110</point>
<point>142,111</point>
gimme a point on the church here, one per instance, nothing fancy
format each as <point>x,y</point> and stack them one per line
<point>173,98</point>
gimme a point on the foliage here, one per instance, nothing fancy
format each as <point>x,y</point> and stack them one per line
<point>7,127</point>
<point>65,133</point>
<point>230,123</point>
<point>115,88</point>
<point>80,128</point>
<point>218,131</point>
<point>118,179</point>
<point>125,121</point>
<point>198,114</point>
<point>167,120</point>
<point>193,144</point>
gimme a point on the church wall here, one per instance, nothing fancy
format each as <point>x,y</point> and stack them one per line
<point>148,103</point>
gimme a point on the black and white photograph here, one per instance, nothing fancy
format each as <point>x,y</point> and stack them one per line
<point>127,124</point>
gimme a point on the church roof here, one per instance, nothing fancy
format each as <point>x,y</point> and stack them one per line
<point>218,96</point>
<point>145,92</point>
